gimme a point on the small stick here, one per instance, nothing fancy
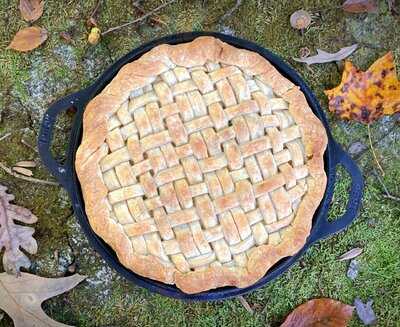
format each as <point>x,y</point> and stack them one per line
<point>5,136</point>
<point>373,151</point>
<point>112,29</point>
<point>246,304</point>
<point>155,19</point>
<point>24,142</point>
<point>95,9</point>
<point>26,178</point>
<point>231,11</point>
<point>387,195</point>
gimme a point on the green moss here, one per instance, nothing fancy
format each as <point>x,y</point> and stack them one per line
<point>62,69</point>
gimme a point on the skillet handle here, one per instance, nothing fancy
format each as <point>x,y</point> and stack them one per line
<point>62,172</point>
<point>328,228</point>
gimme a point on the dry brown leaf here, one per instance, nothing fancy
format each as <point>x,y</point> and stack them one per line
<point>21,297</point>
<point>28,39</point>
<point>320,312</point>
<point>351,254</point>
<point>66,36</point>
<point>358,6</point>
<point>22,171</point>
<point>31,10</point>
<point>366,96</point>
<point>26,164</point>
<point>323,57</point>
<point>13,236</point>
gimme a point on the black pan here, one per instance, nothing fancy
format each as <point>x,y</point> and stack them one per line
<point>66,175</point>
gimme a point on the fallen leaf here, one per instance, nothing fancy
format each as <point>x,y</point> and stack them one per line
<point>352,272</point>
<point>324,57</point>
<point>28,39</point>
<point>320,312</point>
<point>13,236</point>
<point>359,6</point>
<point>21,297</point>
<point>91,22</point>
<point>94,36</point>
<point>26,164</point>
<point>351,254</point>
<point>366,96</point>
<point>365,312</point>
<point>22,171</point>
<point>66,36</point>
<point>31,10</point>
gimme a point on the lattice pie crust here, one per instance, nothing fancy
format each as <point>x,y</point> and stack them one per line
<point>201,165</point>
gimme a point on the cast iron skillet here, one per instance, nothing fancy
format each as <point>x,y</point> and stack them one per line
<point>66,175</point>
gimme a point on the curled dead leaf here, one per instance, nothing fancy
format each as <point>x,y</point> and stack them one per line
<point>366,96</point>
<point>66,36</point>
<point>324,57</point>
<point>26,164</point>
<point>320,312</point>
<point>94,36</point>
<point>351,254</point>
<point>91,22</point>
<point>31,10</point>
<point>28,39</point>
<point>22,171</point>
<point>359,6</point>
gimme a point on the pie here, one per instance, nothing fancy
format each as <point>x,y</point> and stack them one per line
<point>201,165</point>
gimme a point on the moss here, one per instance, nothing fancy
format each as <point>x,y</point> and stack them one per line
<point>30,82</point>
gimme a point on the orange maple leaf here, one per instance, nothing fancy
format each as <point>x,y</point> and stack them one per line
<point>366,96</point>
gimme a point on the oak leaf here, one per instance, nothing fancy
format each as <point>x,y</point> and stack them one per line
<point>31,10</point>
<point>28,39</point>
<point>366,96</point>
<point>21,297</point>
<point>320,312</point>
<point>13,236</point>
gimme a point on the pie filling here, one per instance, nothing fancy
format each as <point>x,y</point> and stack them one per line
<point>203,165</point>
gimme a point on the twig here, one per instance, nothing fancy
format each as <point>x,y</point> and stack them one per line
<point>230,11</point>
<point>112,29</point>
<point>26,178</point>
<point>94,12</point>
<point>24,142</point>
<point>387,194</point>
<point>373,151</point>
<point>5,136</point>
<point>140,9</point>
<point>246,304</point>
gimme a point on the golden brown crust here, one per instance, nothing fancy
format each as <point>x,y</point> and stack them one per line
<point>140,73</point>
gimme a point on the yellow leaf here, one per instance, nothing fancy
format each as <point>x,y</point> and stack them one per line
<point>366,96</point>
